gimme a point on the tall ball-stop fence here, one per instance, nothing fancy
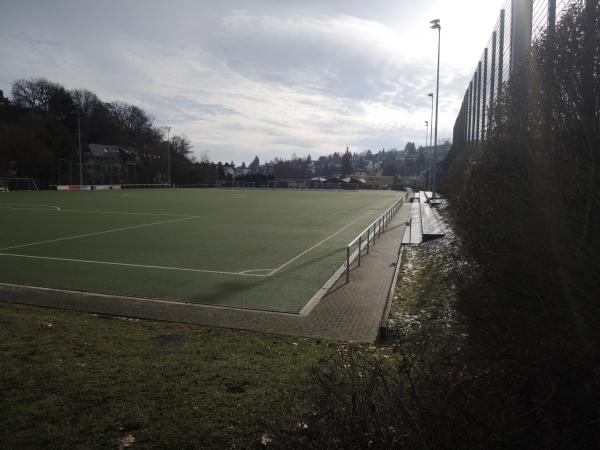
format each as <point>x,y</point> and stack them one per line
<point>519,23</point>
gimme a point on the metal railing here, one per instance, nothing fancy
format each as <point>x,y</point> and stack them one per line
<point>368,237</point>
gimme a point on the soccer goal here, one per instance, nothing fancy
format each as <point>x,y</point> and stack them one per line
<point>325,186</point>
<point>244,184</point>
<point>17,184</point>
<point>296,185</point>
<point>278,184</point>
<point>348,186</point>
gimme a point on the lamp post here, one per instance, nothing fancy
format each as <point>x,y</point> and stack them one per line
<point>79,143</point>
<point>427,145</point>
<point>430,143</point>
<point>435,25</point>
<point>169,154</point>
<point>431,122</point>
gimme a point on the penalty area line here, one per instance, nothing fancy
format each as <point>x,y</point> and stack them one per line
<point>98,233</point>
<point>139,266</point>
<point>318,244</point>
<point>130,213</point>
<point>29,207</point>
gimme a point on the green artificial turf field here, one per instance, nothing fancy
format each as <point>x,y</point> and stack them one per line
<point>258,249</point>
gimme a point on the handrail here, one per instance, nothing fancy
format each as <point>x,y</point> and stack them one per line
<point>375,222</point>
<point>373,231</point>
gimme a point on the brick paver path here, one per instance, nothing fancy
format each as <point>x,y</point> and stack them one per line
<point>349,312</point>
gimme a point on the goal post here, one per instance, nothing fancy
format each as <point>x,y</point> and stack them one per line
<point>287,184</point>
<point>279,184</point>
<point>244,185</point>
<point>348,186</point>
<point>8,184</point>
<point>325,186</point>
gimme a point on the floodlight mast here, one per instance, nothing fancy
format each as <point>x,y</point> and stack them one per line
<point>169,154</point>
<point>430,156</point>
<point>431,121</point>
<point>79,143</point>
<point>435,25</point>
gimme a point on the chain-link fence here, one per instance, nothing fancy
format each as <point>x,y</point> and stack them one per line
<point>519,22</point>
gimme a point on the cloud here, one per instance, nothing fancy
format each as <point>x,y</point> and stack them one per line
<point>341,56</point>
<point>272,79</point>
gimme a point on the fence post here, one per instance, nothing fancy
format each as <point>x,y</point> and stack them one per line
<point>359,248</point>
<point>347,265</point>
<point>368,239</point>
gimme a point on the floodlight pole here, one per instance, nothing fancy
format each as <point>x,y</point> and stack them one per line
<point>436,26</point>
<point>169,154</point>
<point>426,132</point>
<point>430,142</point>
<point>79,141</point>
<point>431,122</point>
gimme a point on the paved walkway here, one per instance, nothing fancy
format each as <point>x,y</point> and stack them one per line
<point>349,312</point>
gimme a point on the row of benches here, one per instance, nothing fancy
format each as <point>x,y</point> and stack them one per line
<point>425,222</point>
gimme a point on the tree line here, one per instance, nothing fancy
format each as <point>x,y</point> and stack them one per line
<point>44,123</point>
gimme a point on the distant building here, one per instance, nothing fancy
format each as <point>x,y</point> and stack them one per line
<point>99,151</point>
<point>112,163</point>
<point>241,171</point>
<point>375,180</point>
<point>3,99</point>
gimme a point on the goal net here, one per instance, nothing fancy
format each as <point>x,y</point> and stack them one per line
<point>287,184</point>
<point>296,185</point>
<point>244,184</point>
<point>348,186</point>
<point>325,186</point>
<point>279,184</point>
<point>17,184</point>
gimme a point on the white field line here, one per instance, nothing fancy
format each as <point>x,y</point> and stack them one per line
<point>274,271</point>
<point>142,266</point>
<point>255,270</point>
<point>87,211</point>
<point>246,273</point>
<point>30,207</point>
<point>318,244</point>
<point>95,234</point>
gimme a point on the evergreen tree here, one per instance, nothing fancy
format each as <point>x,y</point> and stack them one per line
<point>347,163</point>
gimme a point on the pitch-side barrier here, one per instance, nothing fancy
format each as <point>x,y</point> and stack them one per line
<point>368,237</point>
<point>106,187</point>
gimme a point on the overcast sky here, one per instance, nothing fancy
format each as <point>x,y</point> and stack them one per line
<point>257,77</point>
